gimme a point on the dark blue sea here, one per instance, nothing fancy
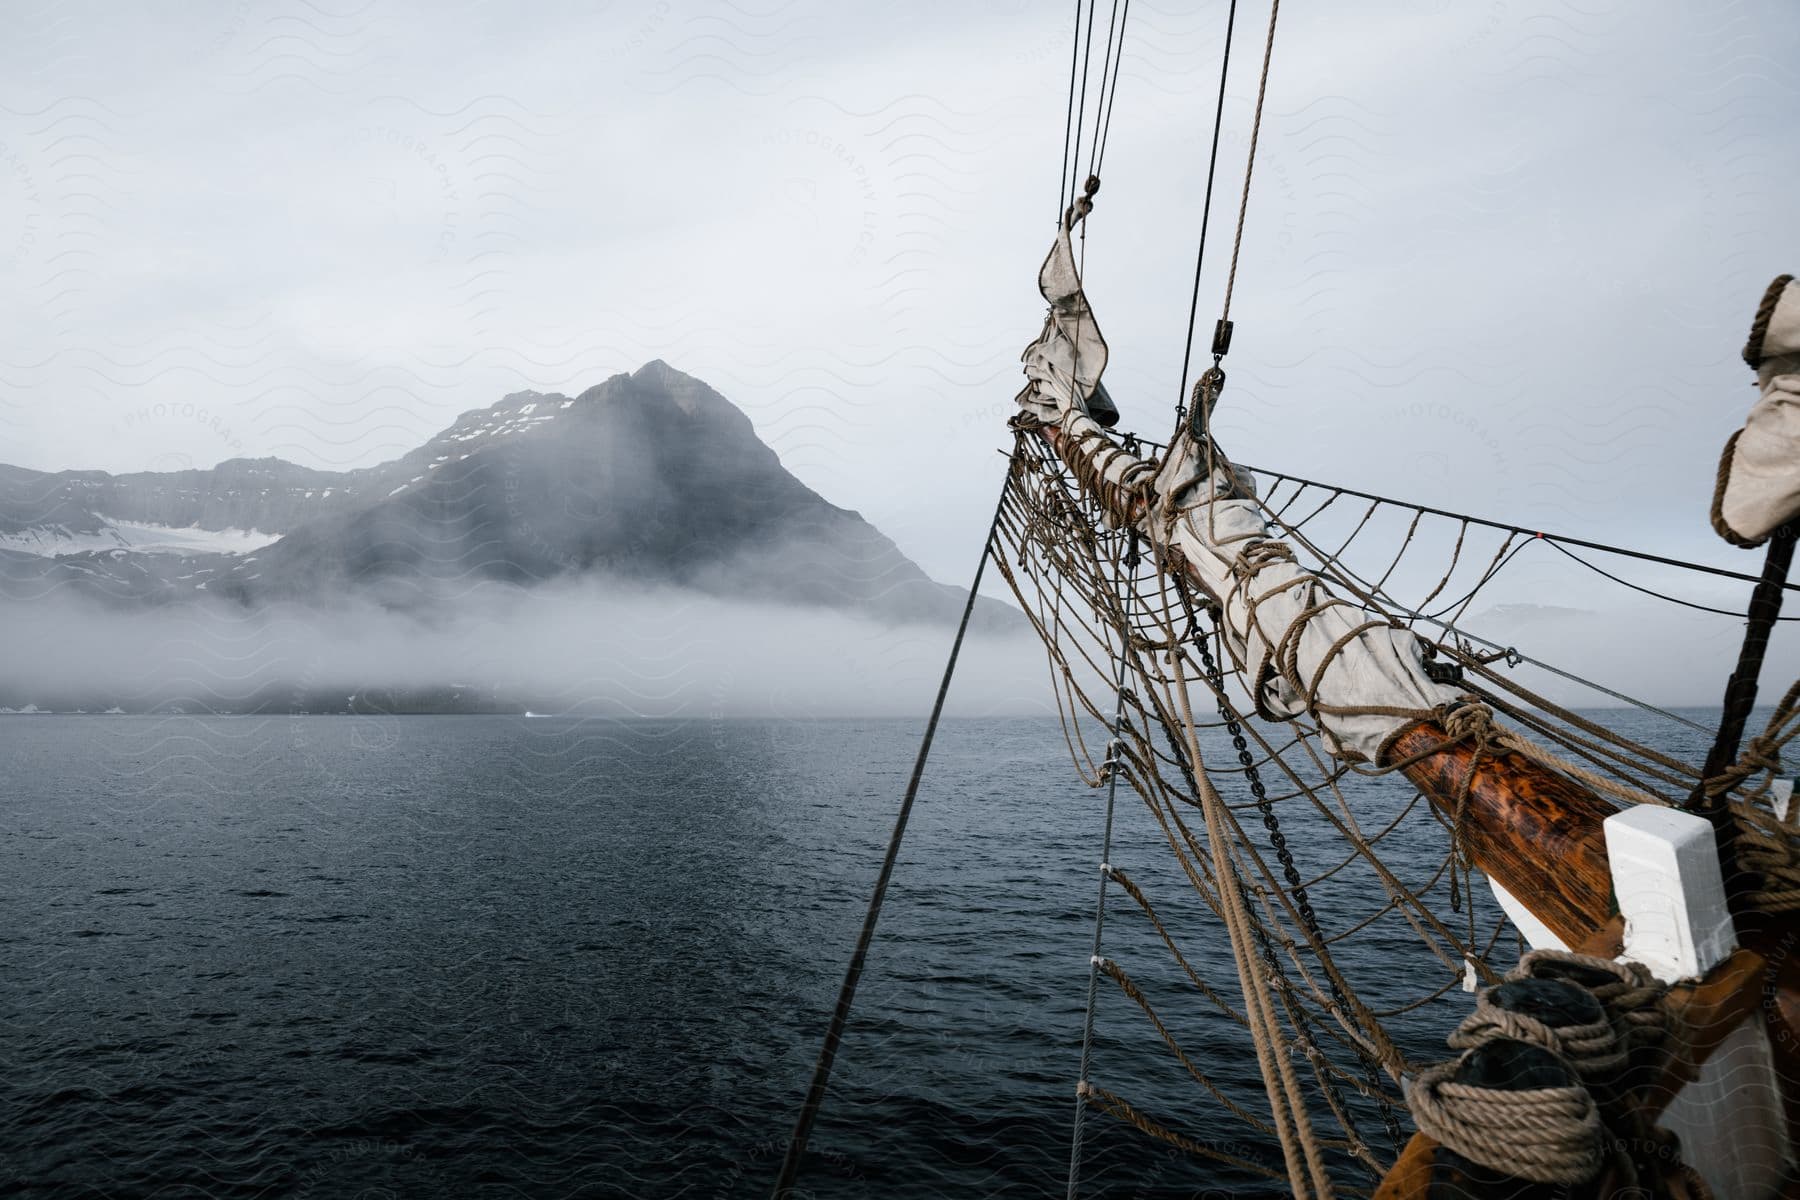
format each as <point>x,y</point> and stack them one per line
<point>498,956</point>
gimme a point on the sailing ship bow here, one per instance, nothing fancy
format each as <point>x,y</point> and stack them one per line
<point>1622,897</point>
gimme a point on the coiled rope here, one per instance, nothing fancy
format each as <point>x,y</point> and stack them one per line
<point>1549,1134</point>
<point>1546,1135</point>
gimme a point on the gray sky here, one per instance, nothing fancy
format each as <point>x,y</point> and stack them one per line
<point>1500,255</point>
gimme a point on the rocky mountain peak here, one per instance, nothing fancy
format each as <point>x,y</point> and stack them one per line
<point>651,477</point>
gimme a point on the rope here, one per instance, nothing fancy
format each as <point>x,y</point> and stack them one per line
<point>1722,480</point>
<point>1546,1135</point>
<point>1554,1134</point>
<point>1061,538</point>
<point>1062,179</point>
<point>1740,690</point>
<point>1279,477</point>
<point>1212,166</point>
<point>1262,87</point>
<point>1759,325</point>
<point>1541,665</point>
<point>1290,871</point>
<point>1770,848</point>
<point>1136,994</point>
<point>1143,902</point>
<point>1286,1104</point>
<point>1112,95</point>
<point>1106,75</point>
<point>1512,654</point>
<point>1087,58</point>
<point>840,1016</point>
<point>1125,1112</point>
<point>1501,560</point>
<point>1724,612</point>
<point>1112,767</point>
<point>1592,1048</point>
<point>1633,998</point>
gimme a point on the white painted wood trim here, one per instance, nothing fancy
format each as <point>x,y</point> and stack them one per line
<point>1537,934</point>
<point>1665,871</point>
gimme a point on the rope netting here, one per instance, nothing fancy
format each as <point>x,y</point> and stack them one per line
<point>1347,899</point>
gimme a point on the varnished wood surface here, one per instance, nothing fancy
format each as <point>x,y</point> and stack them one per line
<point>1533,831</point>
<point>1540,836</point>
<point>1410,1176</point>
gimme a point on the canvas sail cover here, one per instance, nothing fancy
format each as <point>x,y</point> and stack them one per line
<point>1304,649</point>
<point>1759,476</point>
<point>1307,651</point>
<point>1065,363</point>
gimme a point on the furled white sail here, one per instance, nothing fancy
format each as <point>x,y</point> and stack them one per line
<point>1759,477</point>
<point>1361,676</point>
<point>1065,362</point>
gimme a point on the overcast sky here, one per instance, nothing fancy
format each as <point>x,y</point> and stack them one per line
<point>1500,255</point>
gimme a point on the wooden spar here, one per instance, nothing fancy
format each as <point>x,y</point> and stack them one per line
<point>1535,832</point>
<point>1541,836</point>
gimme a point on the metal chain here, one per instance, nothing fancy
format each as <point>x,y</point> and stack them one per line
<point>1296,887</point>
<point>1273,971</point>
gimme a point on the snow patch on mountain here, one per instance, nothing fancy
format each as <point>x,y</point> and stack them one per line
<point>50,541</point>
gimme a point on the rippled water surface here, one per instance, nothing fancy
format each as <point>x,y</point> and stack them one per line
<point>362,956</point>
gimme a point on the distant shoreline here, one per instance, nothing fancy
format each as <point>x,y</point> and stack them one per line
<point>1703,713</point>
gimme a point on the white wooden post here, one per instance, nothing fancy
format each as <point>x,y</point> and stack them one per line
<point>1665,870</point>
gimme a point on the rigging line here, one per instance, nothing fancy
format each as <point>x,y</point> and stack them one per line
<point>1262,88</point>
<point>1548,537</point>
<point>1212,166</point>
<point>1106,72</point>
<point>1724,612</point>
<point>1112,96</point>
<point>1087,60</point>
<point>1114,749</point>
<point>1106,76</point>
<point>1486,578</point>
<point>1388,601</point>
<point>834,1033</point>
<point>1740,699</point>
<point>1558,671</point>
<point>1062,180</point>
<point>1302,902</point>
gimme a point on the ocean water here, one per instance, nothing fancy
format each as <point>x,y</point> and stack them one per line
<point>499,956</point>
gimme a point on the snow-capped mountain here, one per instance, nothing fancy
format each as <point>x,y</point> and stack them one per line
<point>652,478</point>
<point>234,507</point>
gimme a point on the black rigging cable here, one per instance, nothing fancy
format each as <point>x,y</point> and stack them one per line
<point>1111,94</point>
<point>1063,199</point>
<point>1087,59</point>
<point>1725,612</point>
<point>1237,243</point>
<point>1106,55</point>
<point>840,1016</point>
<point>1109,80</point>
<point>1740,698</point>
<point>1212,166</point>
<point>1279,476</point>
